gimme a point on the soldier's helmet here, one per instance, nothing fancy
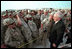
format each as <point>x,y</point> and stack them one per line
<point>8,21</point>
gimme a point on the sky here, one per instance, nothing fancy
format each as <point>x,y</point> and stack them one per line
<point>34,4</point>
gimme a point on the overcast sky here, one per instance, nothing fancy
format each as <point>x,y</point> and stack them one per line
<point>34,4</point>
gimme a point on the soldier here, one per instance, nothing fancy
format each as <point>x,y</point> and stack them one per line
<point>64,17</point>
<point>48,23</point>
<point>42,30</point>
<point>21,14</point>
<point>24,29</point>
<point>67,19</point>
<point>10,15</point>
<point>13,36</point>
<point>38,21</point>
<point>3,29</point>
<point>45,15</point>
<point>32,26</point>
<point>6,14</point>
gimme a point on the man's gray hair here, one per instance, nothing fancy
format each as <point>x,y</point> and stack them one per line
<point>59,14</point>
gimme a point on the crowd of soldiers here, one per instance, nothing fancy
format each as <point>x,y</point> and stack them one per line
<point>22,26</point>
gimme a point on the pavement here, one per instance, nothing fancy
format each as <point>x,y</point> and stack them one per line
<point>48,43</point>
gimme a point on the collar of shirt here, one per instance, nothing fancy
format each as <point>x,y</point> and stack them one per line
<point>56,22</point>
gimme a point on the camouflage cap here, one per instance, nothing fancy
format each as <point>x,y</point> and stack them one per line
<point>52,13</point>
<point>28,16</point>
<point>45,10</point>
<point>50,10</point>
<point>7,20</point>
<point>14,13</point>
<point>9,14</point>
<point>15,10</point>
<point>4,14</point>
<point>29,11</point>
